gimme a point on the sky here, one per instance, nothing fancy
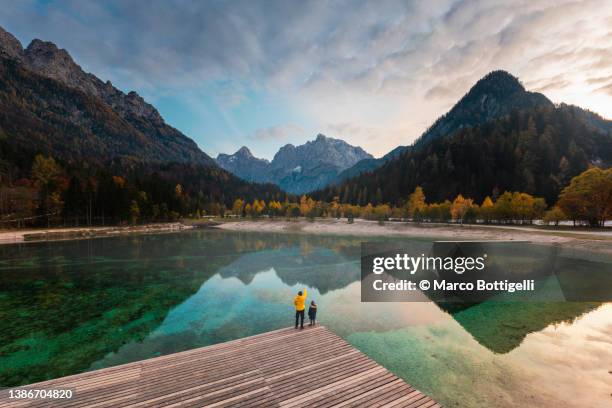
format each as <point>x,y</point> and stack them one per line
<point>374,73</point>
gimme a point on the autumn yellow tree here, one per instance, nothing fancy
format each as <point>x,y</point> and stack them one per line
<point>522,206</point>
<point>554,216</point>
<point>258,207</point>
<point>460,207</point>
<point>306,205</point>
<point>416,202</point>
<point>335,207</point>
<point>274,208</point>
<point>588,197</point>
<point>382,212</point>
<point>368,212</point>
<point>486,210</point>
<point>238,206</point>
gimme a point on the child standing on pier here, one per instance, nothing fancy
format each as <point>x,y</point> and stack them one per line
<point>312,313</point>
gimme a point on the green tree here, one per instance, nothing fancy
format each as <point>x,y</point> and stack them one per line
<point>46,174</point>
<point>503,207</point>
<point>45,171</point>
<point>134,212</point>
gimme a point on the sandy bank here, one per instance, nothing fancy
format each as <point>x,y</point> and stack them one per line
<point>34,235</point>
<point>599,241</point>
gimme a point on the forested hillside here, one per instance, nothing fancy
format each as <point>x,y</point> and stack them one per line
<point>71,154</point>
<point>40,190</point>
<point>494,96</point>
<point>75,149</point>
<point>534,150</point>
<point>39,112</point>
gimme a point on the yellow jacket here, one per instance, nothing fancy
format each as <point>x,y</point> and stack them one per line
<point>300,301</point>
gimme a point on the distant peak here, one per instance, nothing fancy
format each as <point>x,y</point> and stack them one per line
<point>496,81</point>
<point>46,57</point>
<point>288,146</point>
<point>134,96</point>
<point>45,46</point>
<point>321,137</point>
<point>495,95</point>
<point>244,151</point>
<point>10,45</point>
<point>501,74</point>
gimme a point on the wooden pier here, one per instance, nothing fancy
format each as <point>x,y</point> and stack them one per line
<point>284,368</point>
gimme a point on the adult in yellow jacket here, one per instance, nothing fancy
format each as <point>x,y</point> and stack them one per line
<point>300,304</point>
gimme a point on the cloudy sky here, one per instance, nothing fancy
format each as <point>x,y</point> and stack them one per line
<point>375,73</point>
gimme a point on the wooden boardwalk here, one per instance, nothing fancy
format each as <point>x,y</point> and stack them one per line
<point>284,368</point>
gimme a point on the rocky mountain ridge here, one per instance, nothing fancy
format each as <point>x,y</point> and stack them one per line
<point>145,135</point>
<point>45,58</point>
<point>296,169</point>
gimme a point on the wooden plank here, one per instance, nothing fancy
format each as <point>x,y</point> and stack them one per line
<point>287,367</point>
<point>305,397</point>
<point>363,397</point>
<point>350,390</point>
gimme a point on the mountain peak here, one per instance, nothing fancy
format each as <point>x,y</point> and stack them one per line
<point>244,152</point>
<point>499,75</point>
<point>9,45</point>
<point>44,46</point>
<point>244,164</point>
<point>496,82</point>
<point>289,147</point>
<point>495,95</point>
<point>119,125</point>
<point>46,58</point>
<point>296,169</point>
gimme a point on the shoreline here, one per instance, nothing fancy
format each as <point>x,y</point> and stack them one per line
<point>595,241</point>
<point>70,233</point>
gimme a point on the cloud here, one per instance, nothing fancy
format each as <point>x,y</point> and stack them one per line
<point>606,89</point>
<point>368,136</point>
<point>599,80</point>
<point>546,84</point>
<point>438,91</point>
<point>388,66</point>
<point>276,133</point>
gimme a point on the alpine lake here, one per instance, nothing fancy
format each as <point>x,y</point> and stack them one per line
<point>72,306</point>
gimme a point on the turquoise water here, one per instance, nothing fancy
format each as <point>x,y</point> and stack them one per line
<point>72,306</point>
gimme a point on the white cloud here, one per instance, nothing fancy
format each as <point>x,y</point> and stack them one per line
<point>277,133</point>
<point>388,68</point>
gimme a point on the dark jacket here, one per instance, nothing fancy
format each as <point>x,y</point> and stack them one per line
<point>312,312</point>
